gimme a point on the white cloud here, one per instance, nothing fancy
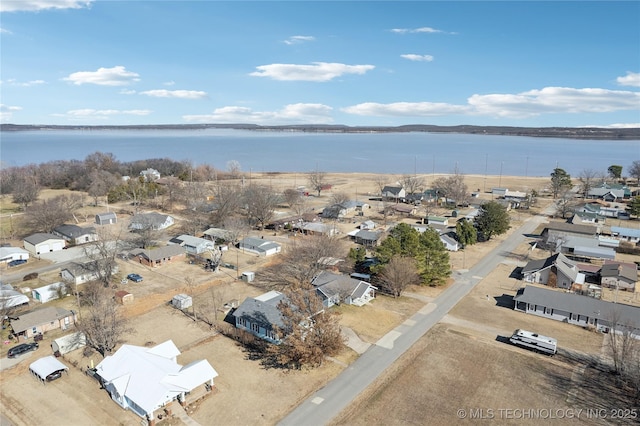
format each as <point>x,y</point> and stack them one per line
<point>5,31</point>
<point>298,39</point>
<point>6,112</point>
<point>428,30</point>
<point>168,83</point>
<point>549,100</point>
<point>102,113</point>
<point>116,76</point>
<point>181,94</point>
<point>618,126</point>
<point>14,82</point>
<point>36,5</point>
<point>318,71</point>
<point>290,114</point>
<point>631,79</point>
<point>419,58</point>
<point>127,92</point>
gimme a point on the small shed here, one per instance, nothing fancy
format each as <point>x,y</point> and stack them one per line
<point>46,366</point>
<point>68,343</point>
<point>107,218</point>
<point>248,276</point>
<point>49,292</point>
<point>124,297</point>
<point>181,301</point>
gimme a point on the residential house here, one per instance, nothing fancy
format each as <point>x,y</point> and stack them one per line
<point>626,234</point>
<point>49,292</point>
<point>619,275</point>
<point>343,209</point>
<point>556,230</point>
<point>579,310</point>
<point>337,288</point>
<point>10,298</point>
<point>449,243</point>
<point>156,221</point>
<point>585,248</point>
<point>499,192</point>
<point>194,245</point>
<point>261,317</point>
<point>367,238</point>
<point>315,228</point>
<point>610,192</point>
<point>42,320</point>
<point>76,235</point>
<point>259,246</point>
<point>393,193</point>
<point>438,221</point>
<point>215,234</point>
<point>150,174</point>
<point>368,225</point>
<point>145,380</point>
<point>7,254</point>
<point>403,209</point>
<point>81,272</point>
<point>107,218</point>
<point>554,271</point>
<point>582,217</point>
<point>160,255</point>
<point>41,243</point>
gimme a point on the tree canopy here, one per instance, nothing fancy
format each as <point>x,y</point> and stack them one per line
<point>466,232</point>
<point>560,180</point>
<point>492,219</point>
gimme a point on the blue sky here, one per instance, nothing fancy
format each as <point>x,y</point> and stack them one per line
<point>295,62</point>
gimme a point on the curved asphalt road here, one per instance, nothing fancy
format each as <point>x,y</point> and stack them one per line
<point>328,402</point>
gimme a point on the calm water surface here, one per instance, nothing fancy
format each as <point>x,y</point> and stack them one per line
<point>331,152</point>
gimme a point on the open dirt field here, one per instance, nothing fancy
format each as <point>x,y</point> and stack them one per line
<point>460,364</point>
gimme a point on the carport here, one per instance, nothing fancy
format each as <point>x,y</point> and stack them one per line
<point>46,366</point>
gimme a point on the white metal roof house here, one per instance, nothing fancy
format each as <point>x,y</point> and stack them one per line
<point>626,234</point>
<point>259,246</point>
<point>7,254</point>
<point>46,366</point>
<point>43,243</point>
<point>194,245</point>
<point>10,298</point>
<point>75,235</point>
<point>144,380</point>
<point>152,220</point>
<point>449,243</point>
<point>150,174</point>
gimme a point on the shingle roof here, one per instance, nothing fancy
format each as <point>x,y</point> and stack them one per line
<point>160,252</point>
<point>578,304</point>
<point>571,228</point>
<point>41,237</point>
<point>73,231</point>
<point>39,317</point>
<point>262,312</point>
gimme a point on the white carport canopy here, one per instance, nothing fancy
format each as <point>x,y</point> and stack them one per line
<point>45,366</point>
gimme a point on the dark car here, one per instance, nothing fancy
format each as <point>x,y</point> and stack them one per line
<point>55,375</point>
<point>21,348</point>
<point>17,262</point>
<point>134,277</point>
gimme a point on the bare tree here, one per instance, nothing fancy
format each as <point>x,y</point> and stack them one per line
<point>309,333</point>
<point>381,181</point>
<point>25,190</point>
<point>566,203</point>
<point>194,195</point>
<point>260,204</point>
<point>588,179</point>
<point>194,222</point>
<point>399,273</point>
<point>624,349</point>
<point>412,183</point>
<point>317,181</point>
<point>301,261</point>
<point>191,285</point>
<point>453,187</point>
<point>291,196</point>
<point>339,197</point>
<point>103,323</point>
<point>234,169</point>
<point>237,227</point>
<point>634,170</point>
<point>101,183</point>
<point>226,202</point>
<point>102,254</point>
<point>45,215</point>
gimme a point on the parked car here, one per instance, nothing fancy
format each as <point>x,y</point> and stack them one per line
<point>55,375</point>
<point>17,262</point>
<point>31,276</point>
<point>21,348</point>
<point>134,277</point>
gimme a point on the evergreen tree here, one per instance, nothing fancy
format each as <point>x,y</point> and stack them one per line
<point>634,206</point>
<point>466,232</point>
<point>492,219</point>
<point>433,261</point>
<point>560,181</point>
<point>402,240</point>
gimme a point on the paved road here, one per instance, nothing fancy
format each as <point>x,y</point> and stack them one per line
<point>328,402</point>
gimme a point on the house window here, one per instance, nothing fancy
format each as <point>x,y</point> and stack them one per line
<point>255,327</point>
<point>242,322</point>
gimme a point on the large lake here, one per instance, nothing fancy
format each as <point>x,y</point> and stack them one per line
<point>263,151</point>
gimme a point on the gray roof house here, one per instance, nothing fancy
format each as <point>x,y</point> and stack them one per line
<point>152,220</point>
<point>337,288</point>
<point>193,245</point>
<point>75,234</point>
<point>43,243</point>
<point>260,316</point>
<point>619,275</point>
<point>626,234</point>
<point>393,192</point>
<point>367,238</point>
<point>259,246</point>
<point>556,229</point>
<point>554,271</point>
<point>82,272</point>
<point>576,309</point>
<point>160,255</point>
<point>42,320</point>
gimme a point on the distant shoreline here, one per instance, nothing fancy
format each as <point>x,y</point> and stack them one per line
<point>544,132</point>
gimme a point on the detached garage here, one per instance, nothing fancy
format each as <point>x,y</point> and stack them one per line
<point>47,369</point>
<point>43,243</point>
